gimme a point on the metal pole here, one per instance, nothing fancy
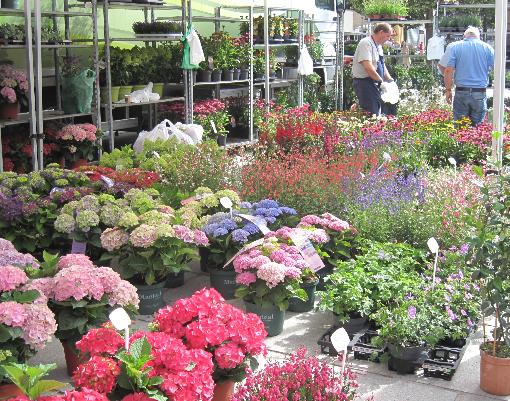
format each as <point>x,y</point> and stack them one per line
<point>56,57</point>
<point>250,83</point>
<point>267,94</point>
<point>339,63</point>
<point>38,83</point>
<point>301,35</point>
<point>108,72</point>
<point>499,80</point>
<point>31,82</point>
<point>95,41</point>
<point>187,74</point>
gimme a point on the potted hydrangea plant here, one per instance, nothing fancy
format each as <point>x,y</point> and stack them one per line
<point>155,366</point>
<point>232,337</point>
<point>269,276</point>
<point>81,294</point>
<point>13,89</point>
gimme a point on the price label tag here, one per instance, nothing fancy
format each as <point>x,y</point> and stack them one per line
<point>243,250</point>
<point>156,154</point>
<point>213,126</point>
<point>259,221</point>
<point>108,181</point>
<point>56,189</point>
<point>78,247</point>
<point>307,250</point>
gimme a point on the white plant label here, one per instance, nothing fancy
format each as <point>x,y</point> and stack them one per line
<point>108,181</point>
<point>452,161</point>
<point>433,245</point>
<point>340,339</point>
<point>259,221</point>
<point>213,126</point>
<point>226,202</point>
<point>243,250</point>
<point>120,319</point>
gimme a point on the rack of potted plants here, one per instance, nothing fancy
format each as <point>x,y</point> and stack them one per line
<point>291,30</point>
<point>276,29</point>
<point>12,33</point>
<point>158,29</point>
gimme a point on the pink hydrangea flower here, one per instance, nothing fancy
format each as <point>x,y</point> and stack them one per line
<point>74,259</point>
<point>11,277</point>
<point>246,278</point>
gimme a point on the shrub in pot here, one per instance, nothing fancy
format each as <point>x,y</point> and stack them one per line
<point>490,248</point>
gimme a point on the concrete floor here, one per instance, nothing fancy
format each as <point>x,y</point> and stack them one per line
<point>305,329</point>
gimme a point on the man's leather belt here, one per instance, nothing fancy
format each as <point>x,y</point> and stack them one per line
<point>460,88</point>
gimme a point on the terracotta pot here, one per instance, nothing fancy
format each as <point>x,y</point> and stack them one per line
<point>9,391</point>
<point>494,374</point>
<point>9,111</point>
<point>223,391</point>
<point>73,359</point>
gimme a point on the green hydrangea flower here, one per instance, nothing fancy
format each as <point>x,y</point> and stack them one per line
<point>165,231</point>
<point>106,198</point>
<point>128,220</point>
<point>152,192</point>
<point>232,195</point>
<point>61,182</point>
<point>64,223</point>
<point>36,181</point>
<point>9,182</point>
<point>21,180</point>
<point>153,217</point>
<point>87,219</point>
<point>210,201</point>
<point>203,190</point>
<point>89,202</point>
<point>69,208</point>
<point>111,214</point>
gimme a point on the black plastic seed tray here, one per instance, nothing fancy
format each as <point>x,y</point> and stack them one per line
<point>363,348</point>
<point>327,347</point>
<point>443,362</point>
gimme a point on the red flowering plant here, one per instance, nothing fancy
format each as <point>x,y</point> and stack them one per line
<point>211,111</point>
<point>120,181</point>
<point>206,322</point>
<point>299,377</point>
<point>157,366</point>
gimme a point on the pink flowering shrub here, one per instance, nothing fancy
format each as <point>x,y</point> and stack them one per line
<point>84,394</point>
<point>157,364</point>
<point>77,141</point>
<point>13,84</point>
<point>341,236</point>
<point>299,377</point>
<point>80,294</point>
<point>151,245</point>
<point>26,322</point>
<point>206,322</point>
<point>269,274</point>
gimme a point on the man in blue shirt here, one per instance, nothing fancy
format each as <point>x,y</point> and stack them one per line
<point>469,64</point>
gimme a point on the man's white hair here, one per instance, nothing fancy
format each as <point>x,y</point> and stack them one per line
<point>472,32</point>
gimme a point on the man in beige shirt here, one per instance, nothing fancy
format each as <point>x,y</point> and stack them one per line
<point>368,69</point>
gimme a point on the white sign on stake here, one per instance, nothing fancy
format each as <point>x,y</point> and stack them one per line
<point>121,321</point>
<point>307,250</point>
<point>259,221</point>
<point>227,204</point>
<point>340,340</point>
<point>453,162</point>
<point>434,248</point>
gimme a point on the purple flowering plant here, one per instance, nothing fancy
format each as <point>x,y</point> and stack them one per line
<point>29,204</point>
<point>229,234</point>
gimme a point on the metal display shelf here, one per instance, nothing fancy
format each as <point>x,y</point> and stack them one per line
<point>36,115</point>
<point>403,22</point>
<point>262,45</point>
<point>238,81</point>
<point>467,5</point>
<point>116,105</point>
<point>148,16</point>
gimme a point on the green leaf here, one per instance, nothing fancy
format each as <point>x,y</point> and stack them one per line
<point>140,348</point>
<point>44,386</point>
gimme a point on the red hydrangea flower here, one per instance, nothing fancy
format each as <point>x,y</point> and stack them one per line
<point>99,373</point>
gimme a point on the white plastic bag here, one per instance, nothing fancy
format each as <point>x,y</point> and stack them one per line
<point>196,54</point>
<point>390,92</point>
<point>144,95</point>
<point>194,131</point>
<point>164,130</point>
<point>305,63</point>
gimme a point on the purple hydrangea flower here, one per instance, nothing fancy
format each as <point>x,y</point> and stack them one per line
<point>251,228</point>
<point>411,312</point>
<point>219,232</point>
<point>240,236</point>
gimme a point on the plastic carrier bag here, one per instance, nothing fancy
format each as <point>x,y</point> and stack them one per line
<point>164,130</point>
<point>77,92</point>
<point>305,63</point>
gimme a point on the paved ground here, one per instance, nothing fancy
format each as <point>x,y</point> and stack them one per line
<point>306,329</point>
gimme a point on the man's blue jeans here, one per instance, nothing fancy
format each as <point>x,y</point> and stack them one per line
<point>470,104</point>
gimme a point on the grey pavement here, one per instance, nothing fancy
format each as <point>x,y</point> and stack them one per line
<point>305,329</point>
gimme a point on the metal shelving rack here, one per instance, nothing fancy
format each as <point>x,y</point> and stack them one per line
<point>33,45</point>
<point>148,9</point>
<point>268,84</point>
<point>189,79</point>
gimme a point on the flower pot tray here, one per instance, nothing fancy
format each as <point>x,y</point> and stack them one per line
<point>403,366</point>
<point>364,350</point>
<point>171,36</point>
<point>327,347</point>
<point>443,362</point>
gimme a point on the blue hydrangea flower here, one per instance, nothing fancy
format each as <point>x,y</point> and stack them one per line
<point>210,228</point>
<point>245,205</point>
<point>251,228</point>
<point>270,219</point>
<point>228,224</point>
<point>288,210</point>
<point>240,236</point>
<point>219,232</point>
<point>266,203</point>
